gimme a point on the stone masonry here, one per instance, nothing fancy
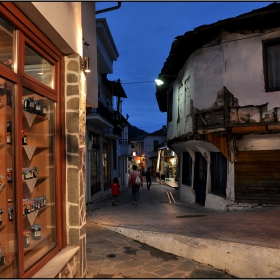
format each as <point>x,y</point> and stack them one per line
<point>75,116</point>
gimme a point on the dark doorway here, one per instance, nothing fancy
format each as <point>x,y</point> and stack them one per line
<point>200,175</point>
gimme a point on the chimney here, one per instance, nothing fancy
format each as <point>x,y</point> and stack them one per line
<point>164,130</point>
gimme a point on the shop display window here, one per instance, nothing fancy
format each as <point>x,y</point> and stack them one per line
<point>38,176</point>
<point>38,67</point>
<point>6,44</point>
<point>29,157</point>
<point>8,232</point>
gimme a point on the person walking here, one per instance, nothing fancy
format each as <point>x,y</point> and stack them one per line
<point>132,182</point>
<point>148,178</point>
<point>115,191</point>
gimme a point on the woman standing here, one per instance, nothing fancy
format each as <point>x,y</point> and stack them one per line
<point>132,183</point>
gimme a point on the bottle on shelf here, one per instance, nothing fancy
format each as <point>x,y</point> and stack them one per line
<point>26,238</point>
<point>24,135</point>
<point>9,132</point>
<point>10,213</point>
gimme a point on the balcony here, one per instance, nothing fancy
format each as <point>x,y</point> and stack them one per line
<point>124,148</point>
<point>112,133</point>
<point>103,116</point>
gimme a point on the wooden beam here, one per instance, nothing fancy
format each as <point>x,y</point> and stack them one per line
<point>244,129</point>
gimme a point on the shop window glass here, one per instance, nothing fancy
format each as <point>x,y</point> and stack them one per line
<point>38,176</point>
<point>6,44</point>
<point>8,233</point>
<point>38,67</point>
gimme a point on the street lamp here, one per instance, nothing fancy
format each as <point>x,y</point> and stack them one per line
<point>160,82</point>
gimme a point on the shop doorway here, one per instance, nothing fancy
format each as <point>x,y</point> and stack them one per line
<point>200,176</point>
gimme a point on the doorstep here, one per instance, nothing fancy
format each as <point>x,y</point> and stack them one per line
<point>57,263</point>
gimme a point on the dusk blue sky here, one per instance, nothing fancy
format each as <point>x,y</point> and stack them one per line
<point>143,33</point>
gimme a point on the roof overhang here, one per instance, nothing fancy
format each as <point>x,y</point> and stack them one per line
<point>183,46</point>
<point>115,88</point>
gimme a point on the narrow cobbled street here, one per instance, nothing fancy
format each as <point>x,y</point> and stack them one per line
<point>112,255</point>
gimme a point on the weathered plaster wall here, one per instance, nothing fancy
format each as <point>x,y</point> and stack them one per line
<point>237,64</point>
<point>75,108</point>
<point>259,142</point>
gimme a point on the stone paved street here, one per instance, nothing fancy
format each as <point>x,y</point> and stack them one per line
<point>112,255</point>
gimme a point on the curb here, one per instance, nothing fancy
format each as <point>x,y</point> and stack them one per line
<point>237,259</point>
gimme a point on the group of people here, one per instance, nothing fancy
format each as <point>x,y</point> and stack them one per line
<point>133,182</point>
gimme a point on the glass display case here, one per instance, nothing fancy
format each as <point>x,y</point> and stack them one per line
<point>38,176</point>
<point>28,157</point>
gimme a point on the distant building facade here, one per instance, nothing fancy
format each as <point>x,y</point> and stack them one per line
<point>222,98</point>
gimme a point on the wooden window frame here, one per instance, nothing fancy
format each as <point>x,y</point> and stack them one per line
<point>187,169</point>
<point>28,32</point>
<point>218,174</point>
<point>265,44</point>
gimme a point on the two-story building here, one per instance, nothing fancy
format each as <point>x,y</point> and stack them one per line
<point>107,142</point>
<point>221,93</point>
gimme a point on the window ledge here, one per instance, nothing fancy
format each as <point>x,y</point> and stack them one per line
<point>57,263</point>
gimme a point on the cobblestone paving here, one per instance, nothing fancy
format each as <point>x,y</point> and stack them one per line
<point>112,255</point>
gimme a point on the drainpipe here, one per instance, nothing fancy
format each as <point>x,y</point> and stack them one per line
<point>109,9</point>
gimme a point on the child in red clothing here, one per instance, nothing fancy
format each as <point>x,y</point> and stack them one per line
<point>115,190</point>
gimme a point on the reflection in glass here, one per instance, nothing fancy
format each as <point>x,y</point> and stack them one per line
<point>38,176</point>
<point>38,67</point>
<point>6,44</point>
<point>8,236</point>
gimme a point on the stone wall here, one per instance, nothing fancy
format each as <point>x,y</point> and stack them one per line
<point>75,116</point>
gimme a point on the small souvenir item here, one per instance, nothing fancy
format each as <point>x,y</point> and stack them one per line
<point>9,175</point>
<point>43,109</point>
<point>2,258</point>
<point>24,134</point>
<point>38,107</point>
<point>26,104</point>
<point>26,238</point>
<point>36,232</point>
<point>10,213</point>
<point>31,105</point>
<point>35,171</point>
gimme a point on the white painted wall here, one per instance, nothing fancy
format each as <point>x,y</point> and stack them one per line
<point>66,19</point>
<point>236,64</point>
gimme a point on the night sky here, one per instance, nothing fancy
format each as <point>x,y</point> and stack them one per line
<point>143,33</point>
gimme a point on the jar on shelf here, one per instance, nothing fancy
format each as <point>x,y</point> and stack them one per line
<point>9,175</point>
<point>26,238</point>
<point>31,105</point>
<point>38,107</point>
<point>2,258</point>
<point>36,232</point>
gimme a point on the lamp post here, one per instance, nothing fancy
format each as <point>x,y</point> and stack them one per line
<point>160,82</point>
